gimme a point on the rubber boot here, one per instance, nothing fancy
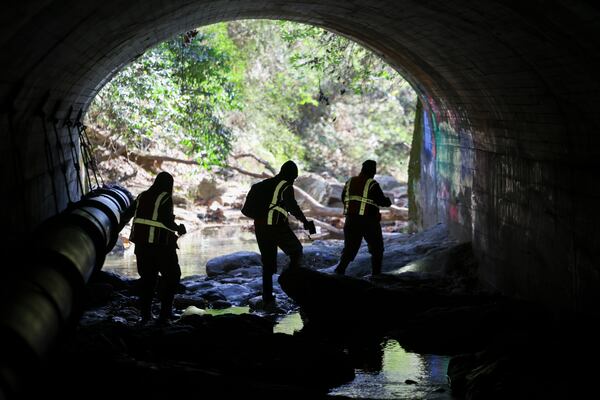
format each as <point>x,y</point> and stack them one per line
<point>376,262</point>
<point>341,267</point>
<point>166,309</point>
<point>267,281</point>
<point>295,261</point>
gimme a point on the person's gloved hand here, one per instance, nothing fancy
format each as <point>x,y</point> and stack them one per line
<point>310,227</point>
<point>181,229</point>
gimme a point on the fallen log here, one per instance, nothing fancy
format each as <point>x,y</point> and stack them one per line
<point>395,213</point>
<point>316,208</point>
<point>334,233</point>
<point>115,149</point>
<point>260,160</point>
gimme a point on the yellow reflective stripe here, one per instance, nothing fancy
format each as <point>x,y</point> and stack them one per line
<point>363,200</point>
<point>347,195</point>
<point>276,192</point>
<point>155,215</point>
<point>365,195</point>
<point>149,222</point>
<point>273,206</point>
<point>280,209</point>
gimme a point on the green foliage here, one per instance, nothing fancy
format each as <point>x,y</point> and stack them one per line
<point>366,109</point>
<point>176,93</point>
<point>320,99</point>
<point>338,61</point>
<point>274,94</point>
<point>280,90</point>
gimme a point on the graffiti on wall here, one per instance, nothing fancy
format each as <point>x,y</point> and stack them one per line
<point>428,137</point>
<point>447,167</point>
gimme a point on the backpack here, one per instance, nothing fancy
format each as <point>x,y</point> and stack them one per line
<point>258,200</point>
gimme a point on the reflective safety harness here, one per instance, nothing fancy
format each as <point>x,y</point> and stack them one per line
<point>153,223</point>
<point>274,201</point>
<point>364,199</point>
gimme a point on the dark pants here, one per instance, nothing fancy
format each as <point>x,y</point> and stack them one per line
<point>269,238</point>
<point>356,228</point>
<point>152,260</point>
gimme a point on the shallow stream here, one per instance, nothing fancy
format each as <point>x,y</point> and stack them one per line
<point>195,249</point>
<point>391,373</point>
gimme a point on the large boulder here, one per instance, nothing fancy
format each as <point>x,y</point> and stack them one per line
<point>319,255</point>
<point>335,195</point>
<point>208,190</point>
<point>387,182</point>
<point>315,185</point>
<point>224,264</point>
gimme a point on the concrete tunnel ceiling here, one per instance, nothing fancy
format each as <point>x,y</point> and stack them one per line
<point>508,137</point>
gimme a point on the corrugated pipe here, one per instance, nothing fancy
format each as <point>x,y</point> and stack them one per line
<point>46,296</point>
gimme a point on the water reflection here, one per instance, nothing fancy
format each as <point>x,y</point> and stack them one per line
<point>289,324</point>
<point>384,370</point>
<point>195,249</point>
<point>428,372</point>
<point>229,310</point>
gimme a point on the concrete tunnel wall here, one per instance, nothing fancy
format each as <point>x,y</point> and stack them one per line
<point>508,136</point>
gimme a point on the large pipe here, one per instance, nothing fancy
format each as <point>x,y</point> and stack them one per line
<point>43,299</point>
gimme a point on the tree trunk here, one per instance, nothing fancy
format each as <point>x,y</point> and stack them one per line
<point>115,149</point>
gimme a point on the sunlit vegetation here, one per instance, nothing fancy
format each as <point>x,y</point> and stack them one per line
<point>283,90</point>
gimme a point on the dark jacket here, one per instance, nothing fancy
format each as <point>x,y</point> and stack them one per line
<point>285,200</point>
<point>154,222</point>
<point>354,189</point>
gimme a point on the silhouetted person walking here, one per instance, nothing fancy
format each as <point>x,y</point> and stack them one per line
<point>154,233</point>
<point>268,202</point>
<point>362,196</point>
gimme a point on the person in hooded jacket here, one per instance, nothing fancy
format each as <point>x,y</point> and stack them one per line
<point>272,229</point>
<point>362,196</point>
<point>155,235</point>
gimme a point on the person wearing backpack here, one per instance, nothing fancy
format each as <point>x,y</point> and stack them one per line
<point>268,203</point>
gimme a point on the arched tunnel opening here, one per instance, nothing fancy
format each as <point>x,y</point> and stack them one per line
<point>328,112</point>
<point>507,150</point>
